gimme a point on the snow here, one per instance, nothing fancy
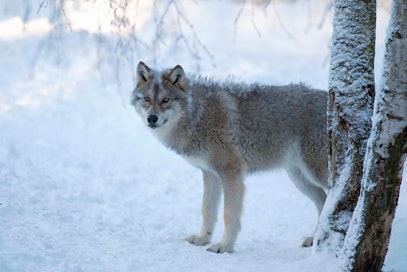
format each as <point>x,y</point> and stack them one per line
<point>85,187</point>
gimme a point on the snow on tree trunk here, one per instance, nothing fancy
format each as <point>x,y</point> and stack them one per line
<point>367,240</point>
<point>350,107</point>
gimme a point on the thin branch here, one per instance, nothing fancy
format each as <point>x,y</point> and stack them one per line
<point>254,23</point>
<point>43,4</point>
<point>327,9</point>
<point>66,17</point>
<point>195,35</point>
<point>239,14</point>
<point>280,21</point>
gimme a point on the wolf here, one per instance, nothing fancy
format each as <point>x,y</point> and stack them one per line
<point>229,130</point>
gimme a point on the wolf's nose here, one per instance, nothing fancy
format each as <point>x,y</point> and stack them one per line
<point>152,119</point>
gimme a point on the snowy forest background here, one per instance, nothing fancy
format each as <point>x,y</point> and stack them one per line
<point>84,186</point>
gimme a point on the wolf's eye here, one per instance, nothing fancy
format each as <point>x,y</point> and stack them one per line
<point>166,100</point>
<point>146,98</point>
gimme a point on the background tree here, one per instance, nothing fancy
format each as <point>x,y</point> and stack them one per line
<point>368,236</point>
<point>351,94</point>
<point>361,241</point>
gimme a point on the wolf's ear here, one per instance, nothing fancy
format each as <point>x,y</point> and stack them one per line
<point>177,77</point>
<point>143,73</point>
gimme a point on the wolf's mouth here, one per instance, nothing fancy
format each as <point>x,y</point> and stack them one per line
<point>155,125</point>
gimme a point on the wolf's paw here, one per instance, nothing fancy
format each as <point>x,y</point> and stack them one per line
<point>308,241</point>
<point>220,248</point>
<point>198,240</point>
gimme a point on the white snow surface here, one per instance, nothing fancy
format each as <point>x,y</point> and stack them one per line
<point>85,187</point>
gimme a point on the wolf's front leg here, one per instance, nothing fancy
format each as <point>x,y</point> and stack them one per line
<point>210,204</point>
<point>233,192</point>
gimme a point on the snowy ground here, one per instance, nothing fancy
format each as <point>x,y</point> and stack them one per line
<point>85,187</point>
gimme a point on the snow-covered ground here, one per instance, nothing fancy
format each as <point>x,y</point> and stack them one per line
<point>85,187</point>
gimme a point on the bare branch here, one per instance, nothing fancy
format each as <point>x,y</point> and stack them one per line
<point>280,21</point>
<point>43,4</point>
<point>239,14</point>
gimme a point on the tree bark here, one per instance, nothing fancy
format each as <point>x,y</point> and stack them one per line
<point>368,236</point>
<point>350,107</point>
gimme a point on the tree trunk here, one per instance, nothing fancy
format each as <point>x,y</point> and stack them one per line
<point>368,236</point>
<point>350,107</point>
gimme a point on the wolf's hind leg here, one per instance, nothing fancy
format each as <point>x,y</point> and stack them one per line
<point>210,205</point>
<point>315,193</point>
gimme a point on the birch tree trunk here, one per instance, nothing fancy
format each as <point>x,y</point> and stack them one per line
<point>367,240</point>
<point>350,107</point>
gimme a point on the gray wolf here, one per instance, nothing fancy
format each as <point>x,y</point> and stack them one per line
<point>229,130</point>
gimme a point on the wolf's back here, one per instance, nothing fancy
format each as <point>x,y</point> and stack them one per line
<point>262,122</point>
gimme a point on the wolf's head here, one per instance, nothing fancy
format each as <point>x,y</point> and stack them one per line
<point>158,96</point>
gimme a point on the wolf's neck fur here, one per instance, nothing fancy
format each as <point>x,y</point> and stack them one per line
<point>181,136</point>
